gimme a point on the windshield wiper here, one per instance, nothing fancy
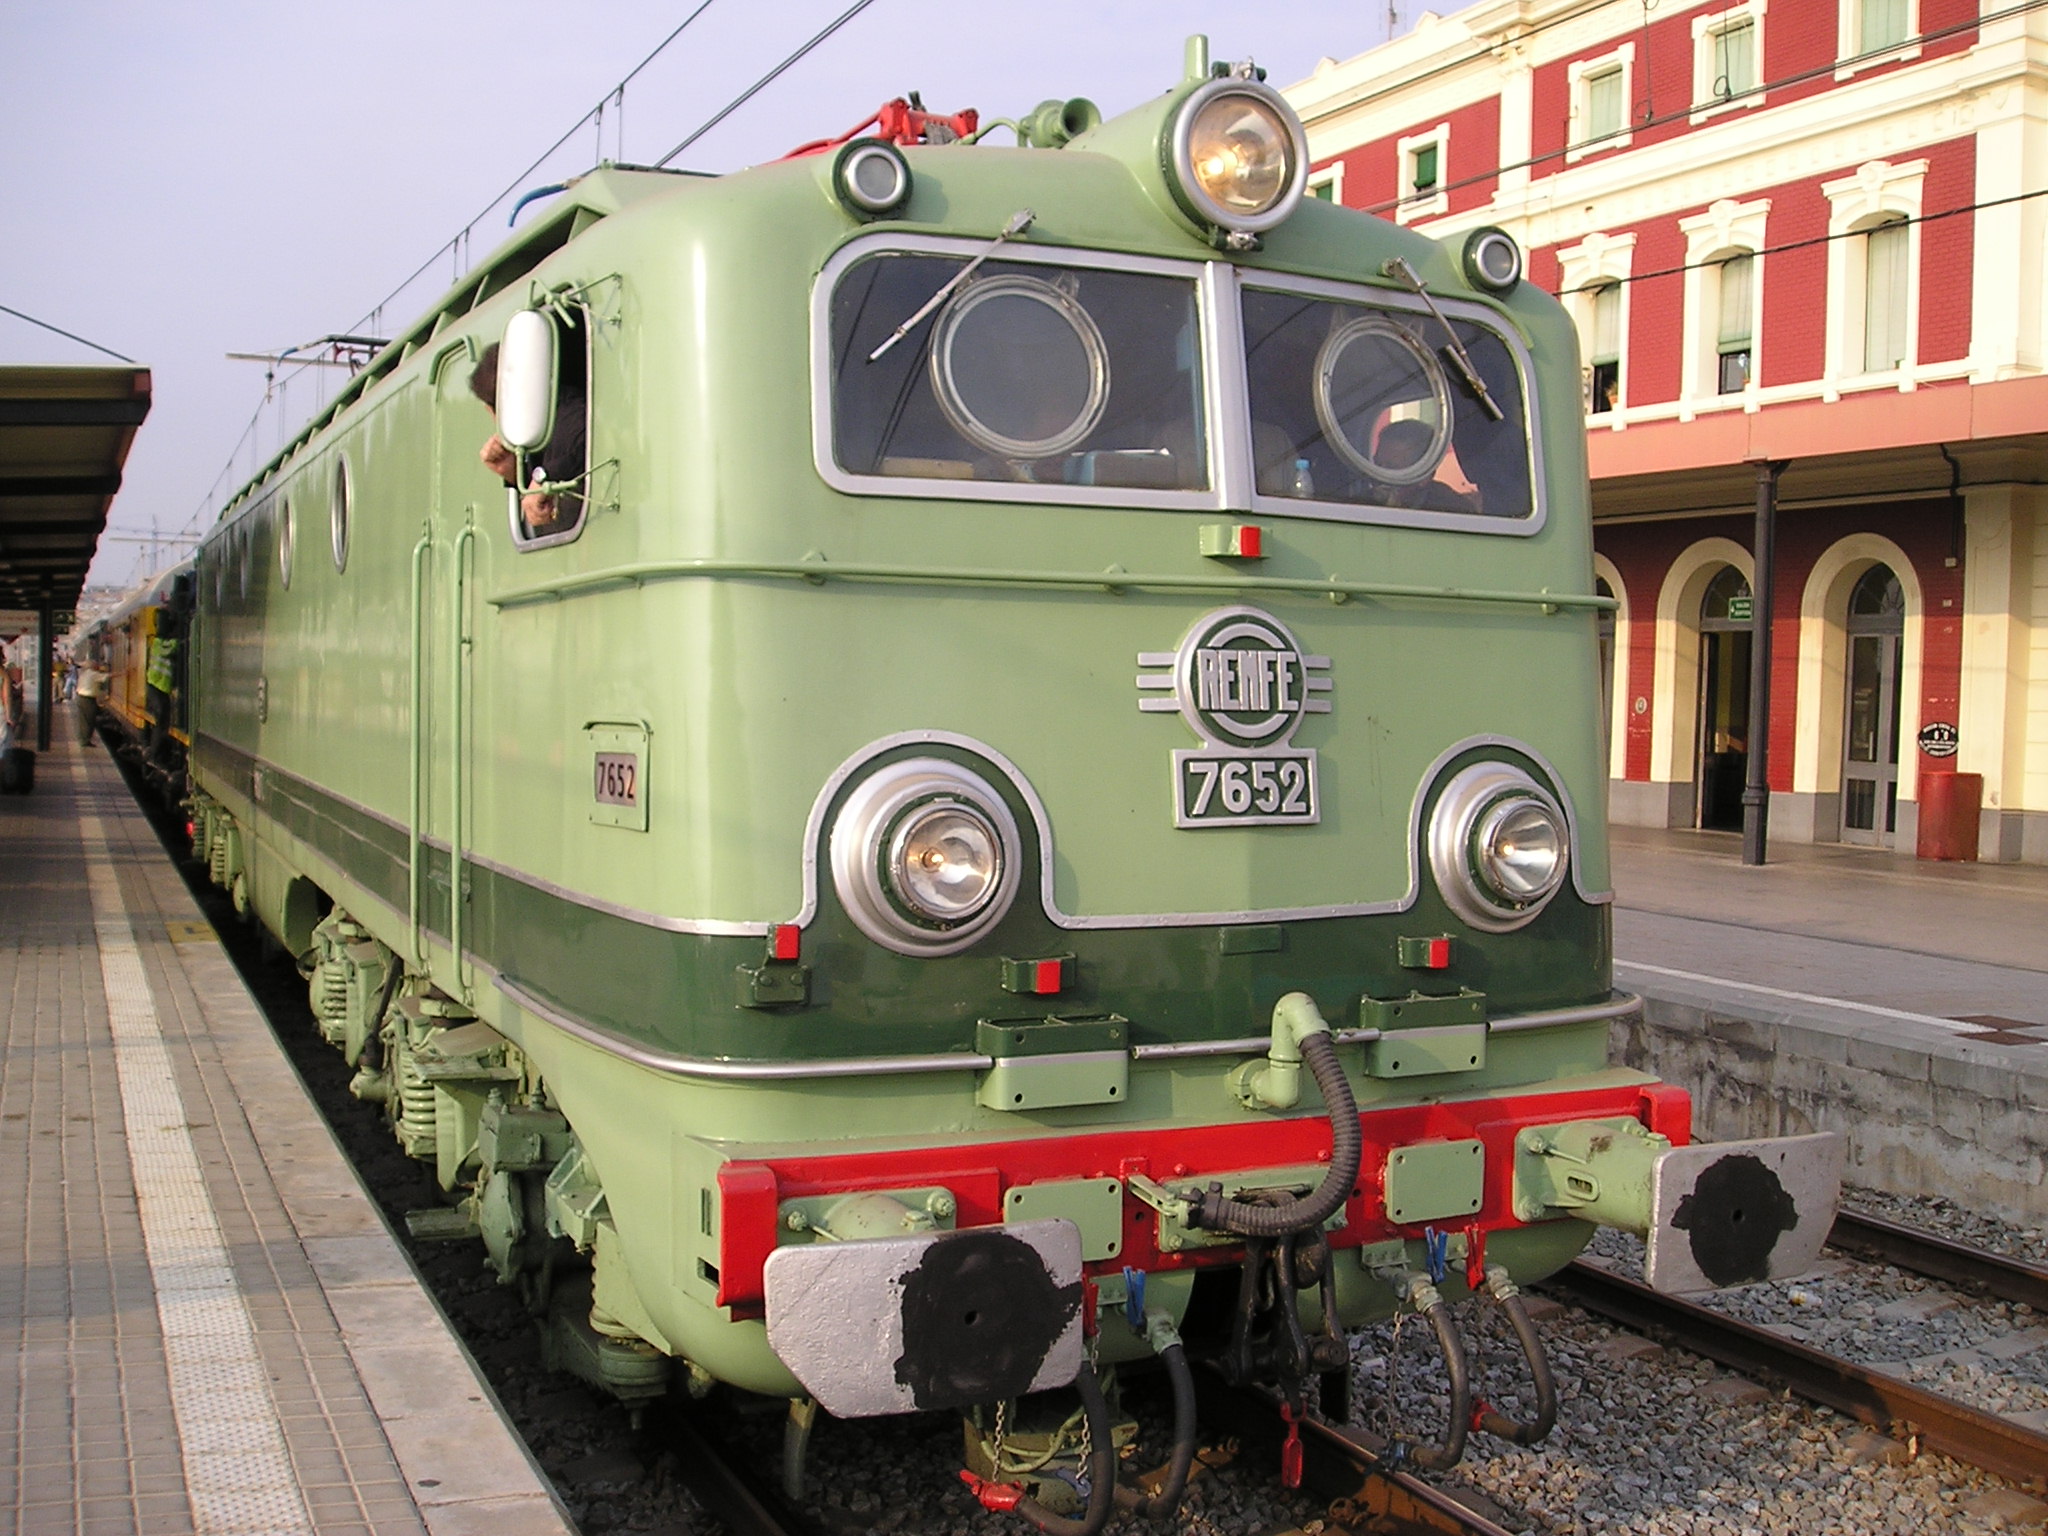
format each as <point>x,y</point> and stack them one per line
<point>1397,267</point>
<point>1019,222</point>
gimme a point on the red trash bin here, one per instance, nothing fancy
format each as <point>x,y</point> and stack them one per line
<point>1949,803</point>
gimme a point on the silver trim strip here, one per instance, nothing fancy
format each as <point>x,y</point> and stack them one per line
<point>672,1065</point>
<point>711,926</point>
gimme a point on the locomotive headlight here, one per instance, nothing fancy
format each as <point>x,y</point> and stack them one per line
<point>944,861</point>
<point>1498,846</point>
<point>1239,155</point>
<point>1518,850</point>
<point>925,856</point>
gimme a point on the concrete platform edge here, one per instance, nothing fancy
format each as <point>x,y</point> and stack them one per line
<point>465,1465</point>
<point>1925,1109</point>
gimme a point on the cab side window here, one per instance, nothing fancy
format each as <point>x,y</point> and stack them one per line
<point>552,500</point>
<point>550,483</point>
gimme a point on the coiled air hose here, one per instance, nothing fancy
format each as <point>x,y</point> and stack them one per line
<point>1102,1487</point>
<point>1492,1420</point>
<point>1217,1212</point>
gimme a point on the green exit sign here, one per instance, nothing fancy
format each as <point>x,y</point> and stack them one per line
<point>1741,609</point>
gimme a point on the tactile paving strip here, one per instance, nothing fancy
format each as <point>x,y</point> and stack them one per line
<point>238,1473</point>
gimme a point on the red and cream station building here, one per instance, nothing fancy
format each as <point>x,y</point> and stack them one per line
<point>1807,233</point>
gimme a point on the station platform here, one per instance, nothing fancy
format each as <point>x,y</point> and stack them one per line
<point>1901,1002</point>
<point>208,1325</point>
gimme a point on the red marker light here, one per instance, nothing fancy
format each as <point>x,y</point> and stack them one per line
<point>1439,954</point>
<point>1047,976</point>
<point>1249,536</point>
<point>786,942</point>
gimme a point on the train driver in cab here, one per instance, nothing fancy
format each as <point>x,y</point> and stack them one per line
<point>560,462</point>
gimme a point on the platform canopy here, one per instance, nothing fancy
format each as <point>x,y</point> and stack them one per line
<point>64,437</point>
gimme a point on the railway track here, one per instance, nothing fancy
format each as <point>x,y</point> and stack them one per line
<point>1868,1394</point>
<point>1345,1466</point>
<point>1939,1259</point>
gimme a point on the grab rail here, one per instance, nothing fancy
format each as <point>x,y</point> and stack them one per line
<point>819,571</point>
<point>457,659</point>
<point>414,786</point>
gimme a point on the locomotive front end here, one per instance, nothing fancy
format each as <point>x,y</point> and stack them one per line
<point>1178,654</point>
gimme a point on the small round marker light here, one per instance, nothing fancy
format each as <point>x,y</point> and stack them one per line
<point>871,177</point>
<point>1492,259</point>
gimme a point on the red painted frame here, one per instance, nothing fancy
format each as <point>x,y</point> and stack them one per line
<point>978,1173</point>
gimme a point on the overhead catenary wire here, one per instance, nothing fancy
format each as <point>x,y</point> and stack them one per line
<point>1596,284</point>
<point>1686,112</point>
<point>457,243</point>
<point>765,81</point>
<point>67,335</point>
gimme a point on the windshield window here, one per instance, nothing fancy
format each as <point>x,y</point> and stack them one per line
<point>1028,373</point>
<point>1358,404</point>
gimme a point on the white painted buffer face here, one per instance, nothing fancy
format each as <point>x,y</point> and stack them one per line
<point>1735,1212</point>
<point>935,1320</point>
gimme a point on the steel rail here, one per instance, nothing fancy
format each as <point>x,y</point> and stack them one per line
<point>744,1506</point>
<point>1340,1463</point>
<point>1870,1396</point>
<point>1939,1259</point>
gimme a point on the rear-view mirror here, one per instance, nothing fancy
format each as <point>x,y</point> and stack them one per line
<point>526,380</point>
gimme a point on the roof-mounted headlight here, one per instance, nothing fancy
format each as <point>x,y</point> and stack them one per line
<point>925,857</point>
<point>1237,155</point>
<point>871,177</point>
<point>1498,846</point>
<point>1492,259</point>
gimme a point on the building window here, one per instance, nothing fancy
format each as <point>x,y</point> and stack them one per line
<point>1875,32</point>
<point>1599,102</point>
<point>1873,326</point>
<point>1732,340</point>
<point>1880,24</point>
<point>1328,183</point>
<point>1884,296</point>
<point>1728,59</point>
<point>1424,171</point>
<point>1603,104</point>
<point>1603,350</point>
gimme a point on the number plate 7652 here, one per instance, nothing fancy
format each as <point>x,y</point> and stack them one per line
<point>1255,789</point>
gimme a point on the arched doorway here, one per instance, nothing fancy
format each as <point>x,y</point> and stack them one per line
<point>1726,625</point>
<point>1870,718</point>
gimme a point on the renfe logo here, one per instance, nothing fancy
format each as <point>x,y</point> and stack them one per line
<point>1243,684</point>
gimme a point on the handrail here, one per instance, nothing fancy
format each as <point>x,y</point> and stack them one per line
<point>817,572</point>
<point>457,658</point>
<point>414,786</point>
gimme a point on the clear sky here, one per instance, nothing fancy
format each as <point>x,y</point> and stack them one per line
<point>186,180</point>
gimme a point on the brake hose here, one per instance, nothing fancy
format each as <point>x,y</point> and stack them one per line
<point>1167,1499</point>
<point>1492,1420</point>
<point>1217,1212</point>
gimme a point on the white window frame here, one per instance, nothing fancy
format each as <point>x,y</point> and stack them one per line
<point>1595,261</point>
<point>1848,41</point>
<point>1623,58</point>
<point>1726,228</point>
<point>1879,189</point>
<point>1331,176</point>
<point>1705,29</point>
<point>1429,204</point>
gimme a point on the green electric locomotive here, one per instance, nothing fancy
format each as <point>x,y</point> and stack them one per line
<point>985,763</point>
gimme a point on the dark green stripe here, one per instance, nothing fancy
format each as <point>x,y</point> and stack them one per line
<point>681,992</point>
